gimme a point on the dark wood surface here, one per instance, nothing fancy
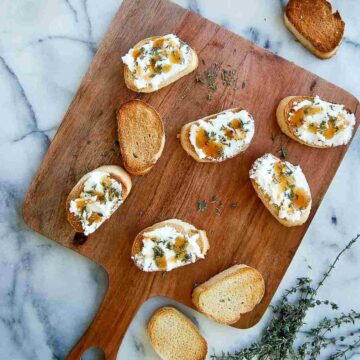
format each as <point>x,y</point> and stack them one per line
<point>245,234</point>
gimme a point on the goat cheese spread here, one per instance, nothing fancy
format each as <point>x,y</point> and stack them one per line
<point>165,249</point>
<point>321,123</point>
<point>157,60</point>
<point>223,136</point>
<point>284,184</point>
<point>100,197</point>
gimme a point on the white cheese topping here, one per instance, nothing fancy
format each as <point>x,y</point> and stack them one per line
<point>285,185</point>
<point>224,136</point>
<point>321,123</point>
<point>157,60</point>
<point>100,197</point>
<point>165,249</point>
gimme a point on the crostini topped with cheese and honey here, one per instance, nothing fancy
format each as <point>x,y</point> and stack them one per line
<point>168,245</point>
<point>156,62</point>
<point>96,196</point>
<point>315,122</point>
<point>218,137</point>
<point>283,189</point>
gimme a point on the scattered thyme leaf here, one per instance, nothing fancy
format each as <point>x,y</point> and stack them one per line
<point>283,153</point>
<point>209,97</point>
<point>213,198</point>
<point>274,137</point>
<point>201,205</point>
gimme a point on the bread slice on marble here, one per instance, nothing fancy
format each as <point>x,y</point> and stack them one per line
<point>283,189</point>
<point>315,122</point>
<point>315,25</point>
<point>229,294</point>
<point>96,196</point>
<point>156,62</point>
<point>175,337</point>
<point>141,136</point>
<point>168,245</point>
<point>218,137</point>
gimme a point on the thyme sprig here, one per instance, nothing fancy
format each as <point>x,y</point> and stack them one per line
<point>277,341</point>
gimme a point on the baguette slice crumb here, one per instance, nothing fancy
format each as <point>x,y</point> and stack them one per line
<point>116,172</point>
<point>315,25</point>
<point>181,227</point>
<point>175,337</point>
<point>141,136</point>
<point>229,294</point>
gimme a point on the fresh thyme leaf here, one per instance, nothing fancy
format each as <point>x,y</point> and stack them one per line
<point>283,153</point>
<point>202,205</point>
<point>213,198</point>
<point>274,137</point>
<point>209,97</point>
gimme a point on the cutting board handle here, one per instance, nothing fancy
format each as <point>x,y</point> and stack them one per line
<point>104,331</point>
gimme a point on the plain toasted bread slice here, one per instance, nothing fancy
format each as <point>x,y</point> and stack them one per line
<point>175,337</point>
<point>181,227</point>
<point>129,76</point>
<point>188,146</point>
<point>282,115</point>
<point>115,172</point>
<point>229,294</point>
<point>141,136</point>
<point>315,25</point>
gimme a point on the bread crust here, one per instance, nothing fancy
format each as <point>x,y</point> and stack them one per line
<point>282,115</point>
<point>115,172</point>
<point>180,226</point>
<point>157,127</point>
<point>130,80</point>
<point>302,18</point>
<point>157,344</point>
<point>189,148</point>
<point>221,278</point>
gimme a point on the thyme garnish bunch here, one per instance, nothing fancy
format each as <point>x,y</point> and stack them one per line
<point>277,341</point>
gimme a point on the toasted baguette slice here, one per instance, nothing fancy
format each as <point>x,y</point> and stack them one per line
<point>301,195</point>
<point>315,26</point>
<point>176,248</point>
<point>141,136</point>
<point>223,118</point>
<point>340,134</point>
<point>130,77</point>
<point>115,172</point>
<point>229,294</point>
<point>175,337</point>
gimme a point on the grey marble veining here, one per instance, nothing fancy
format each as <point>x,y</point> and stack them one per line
<point>49,294</point>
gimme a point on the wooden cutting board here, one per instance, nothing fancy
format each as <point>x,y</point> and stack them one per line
<point>246,234</point>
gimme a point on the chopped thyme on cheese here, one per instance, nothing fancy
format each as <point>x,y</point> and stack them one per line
<point>165,249</point>
<point>157,60</point>
<point>284,184</point>
<point>223,136</point>
<point>101,195</point>
<point>321,123</point>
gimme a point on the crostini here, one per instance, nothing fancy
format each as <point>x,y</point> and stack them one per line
<point>218,137</point>
<point>141,136</point>
<point>156,62</point>
<point>315,25</point>
<point>315,122</point>
<point>175,337</point>
<point>168,245</point>
<point>229,294</point>
<point>96,196</point>
<point>283,189</point>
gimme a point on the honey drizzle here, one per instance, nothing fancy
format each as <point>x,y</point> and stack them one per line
<point>211,148</point>
<point>284,177</point>
<point>329,130</point>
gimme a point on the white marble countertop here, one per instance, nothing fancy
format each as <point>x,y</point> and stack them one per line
<point>49,294</point>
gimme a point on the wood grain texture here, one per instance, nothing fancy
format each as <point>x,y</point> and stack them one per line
<point>86,139</point>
